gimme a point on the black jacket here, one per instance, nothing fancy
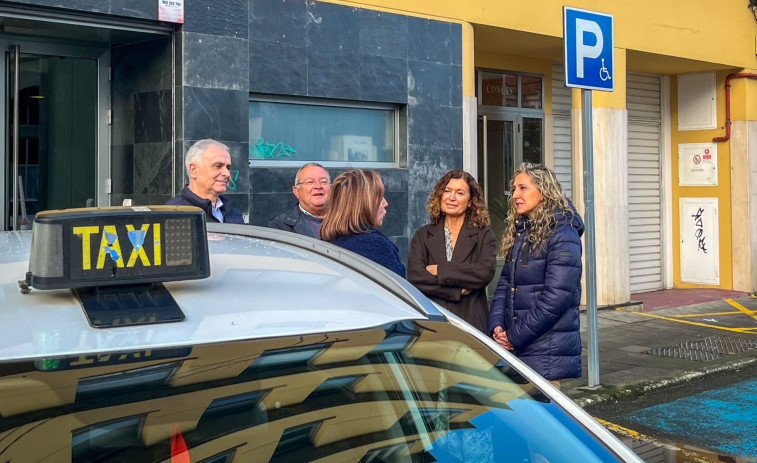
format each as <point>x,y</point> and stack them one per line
<point>293,221</point>
<point>188,198</point>
<point>473,264</point>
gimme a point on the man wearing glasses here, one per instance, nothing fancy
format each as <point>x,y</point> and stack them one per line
<point>311,187</point>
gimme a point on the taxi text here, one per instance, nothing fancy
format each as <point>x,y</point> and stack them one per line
<point>110,245</point>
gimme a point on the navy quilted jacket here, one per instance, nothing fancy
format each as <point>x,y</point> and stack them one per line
<point>537,299</point>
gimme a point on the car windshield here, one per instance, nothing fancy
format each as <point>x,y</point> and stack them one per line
<point>403,392</point>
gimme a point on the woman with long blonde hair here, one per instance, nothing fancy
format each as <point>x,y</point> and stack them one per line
<point>535,308</point>
<point>356,210</point>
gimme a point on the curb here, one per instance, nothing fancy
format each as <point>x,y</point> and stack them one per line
<point>639,389</point>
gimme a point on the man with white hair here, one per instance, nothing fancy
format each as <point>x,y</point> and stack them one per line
<point>208,165</point>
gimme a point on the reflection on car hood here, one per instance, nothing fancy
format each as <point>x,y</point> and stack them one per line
<point>257,288</point>
<point>407,391</point>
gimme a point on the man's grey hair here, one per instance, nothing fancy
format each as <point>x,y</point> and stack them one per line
<point>198,149</point>
<point>309,164</point>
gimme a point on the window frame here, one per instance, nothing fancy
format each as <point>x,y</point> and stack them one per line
<point>516,114</point>
<point>528,112</point>
<point>399,113</point>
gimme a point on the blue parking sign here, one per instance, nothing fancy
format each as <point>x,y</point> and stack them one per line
<point>588,49</point>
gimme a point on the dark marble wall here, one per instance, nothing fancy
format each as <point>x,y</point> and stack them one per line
<point>213,87</point>
<point>315,49</point>
<point>225,51</point>
<point>141,101</point>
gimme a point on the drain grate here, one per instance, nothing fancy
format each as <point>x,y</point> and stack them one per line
<point>709,348</point>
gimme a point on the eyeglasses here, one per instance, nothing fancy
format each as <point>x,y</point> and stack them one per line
<point>310,183</point>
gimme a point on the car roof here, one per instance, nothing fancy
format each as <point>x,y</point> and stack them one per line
<point>263,283</point>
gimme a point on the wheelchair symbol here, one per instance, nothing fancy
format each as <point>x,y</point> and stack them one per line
<point>604,74</point>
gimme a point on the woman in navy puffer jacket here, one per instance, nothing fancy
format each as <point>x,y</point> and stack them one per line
<point>535,308</point>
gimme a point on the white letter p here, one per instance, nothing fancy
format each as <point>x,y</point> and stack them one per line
<point>584,51</point>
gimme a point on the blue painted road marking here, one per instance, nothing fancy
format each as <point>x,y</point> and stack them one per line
<point>721,419</point>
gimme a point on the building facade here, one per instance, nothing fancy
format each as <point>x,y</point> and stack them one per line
<point>108,96</point>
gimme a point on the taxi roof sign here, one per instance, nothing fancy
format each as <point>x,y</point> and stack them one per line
<point>91,247</point>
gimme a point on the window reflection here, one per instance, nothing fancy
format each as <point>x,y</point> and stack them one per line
<point>532,137</point>
<point>498,89</point>
<point>530,92</point>
<point>105,441</point>
<point>511,93</point>
<point>510,90</point>
<point>298,132</point>
<point>226,457</point>
<point>407,391</point>
<point>129,379</point>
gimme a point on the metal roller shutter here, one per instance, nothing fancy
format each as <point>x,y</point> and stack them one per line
<point>644,182</point>
<point>561,106</point>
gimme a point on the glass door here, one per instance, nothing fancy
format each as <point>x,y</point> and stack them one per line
<point>52,129</point>
<point>510,132</point>
<point>496,158</point>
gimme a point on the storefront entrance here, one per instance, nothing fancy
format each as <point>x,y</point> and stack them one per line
<point>52,146</point>
<point>510,132</point>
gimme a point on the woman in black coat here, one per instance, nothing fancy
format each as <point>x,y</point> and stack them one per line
<point>452,259</point>
<point>535,308</point>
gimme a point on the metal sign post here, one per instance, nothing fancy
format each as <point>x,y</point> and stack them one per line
<point>591,255</point>
<point>589,65</point>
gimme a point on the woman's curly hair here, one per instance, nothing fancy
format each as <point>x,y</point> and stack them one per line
<point>477,213</point>
<point>543,221</point>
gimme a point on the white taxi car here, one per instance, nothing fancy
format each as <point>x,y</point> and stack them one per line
<point>136,335</point>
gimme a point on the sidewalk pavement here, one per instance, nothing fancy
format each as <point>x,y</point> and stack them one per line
<point>658,347</point>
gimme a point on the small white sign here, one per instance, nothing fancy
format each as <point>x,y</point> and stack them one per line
<point>171,11</point>
<point>700,250</point>
<point>698,164</point>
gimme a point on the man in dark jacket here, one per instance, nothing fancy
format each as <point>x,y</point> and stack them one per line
<point>208,165</point>
<point>312,185</point>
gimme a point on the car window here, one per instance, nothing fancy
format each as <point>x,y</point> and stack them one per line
<point>404,392</point>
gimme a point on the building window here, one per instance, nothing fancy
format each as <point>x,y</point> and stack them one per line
<point>510,90</point>
<point>530,92</point>
<point>532,140</point>
<point>331,133</point>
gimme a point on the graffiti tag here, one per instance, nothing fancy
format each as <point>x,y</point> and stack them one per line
<point>263,150</point>
<point>699,232</point>
<point>233,179</point>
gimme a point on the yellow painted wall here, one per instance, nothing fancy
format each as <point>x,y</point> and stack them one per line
<point>649,35</point>
<point>750,101</point>
<point>469,61</point>
<point>722,191</point>
<point>717,31</point>
<point>745,92</point>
